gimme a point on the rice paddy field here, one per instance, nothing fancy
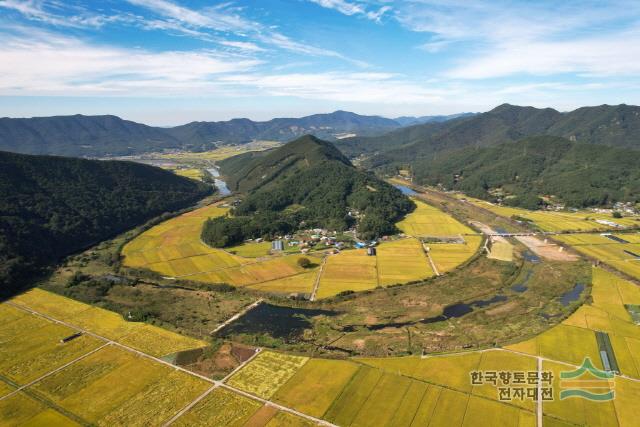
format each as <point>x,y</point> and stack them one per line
<point>428,221</point>
<point>87,380</point>
<point>447,256</point>
<point>562,220</point>
<point>192,173</point>
<point>140,336</point>
<point>436,390</point>
<point>221,153</point>
<point>174,249</point>
<point>614,253</point>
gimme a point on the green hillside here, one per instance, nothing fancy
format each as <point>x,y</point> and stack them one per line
<point>305,183</point>
<point>604,125</point>
<point>53,206</point>
<point>577,173</point>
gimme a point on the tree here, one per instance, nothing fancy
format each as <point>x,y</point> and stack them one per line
<point>304,262</point>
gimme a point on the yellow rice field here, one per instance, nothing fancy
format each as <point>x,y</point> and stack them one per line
<point>174,249</point>
<point>608,251</point>
<point>150,339</point>
<point>266,373</point>
<point>562,220</point>
<point>123,388</point>
<point>220,408</point>
<point>402,261</point>
<point>428,221</point>
<point>447,256</point>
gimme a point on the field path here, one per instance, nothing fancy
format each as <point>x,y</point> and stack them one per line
<point>215,383</point>
<point>316,285</point>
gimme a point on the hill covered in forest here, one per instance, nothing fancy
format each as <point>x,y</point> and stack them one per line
<point>305,183</point>
<point>617,125</point>
<point>102,136</point>
<point>579,174</point>
<point>53,206</point>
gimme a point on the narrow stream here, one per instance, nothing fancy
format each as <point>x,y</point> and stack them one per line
<point>220,184</point>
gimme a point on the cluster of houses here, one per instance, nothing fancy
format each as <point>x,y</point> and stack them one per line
<point>318,238</point>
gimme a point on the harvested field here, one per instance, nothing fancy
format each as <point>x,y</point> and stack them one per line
<point>267,373</point>
<point>220,408</point>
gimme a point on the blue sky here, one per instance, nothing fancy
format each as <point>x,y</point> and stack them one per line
<point>167,62</point>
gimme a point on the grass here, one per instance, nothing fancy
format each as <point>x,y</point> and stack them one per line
<point>314,387</point>
<point>267,373</point>
<point>220,408</point>
<point>427,220</point>
<point>151,339</point>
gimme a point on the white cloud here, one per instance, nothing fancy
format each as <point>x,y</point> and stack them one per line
<point>44,63</point>
<point>36,10</point>
<point>352,8</point>
<point>244,46</point>
<point>214,18</point>
<point>614,55</point>
<point>341,87</point>
<point>220,18</point>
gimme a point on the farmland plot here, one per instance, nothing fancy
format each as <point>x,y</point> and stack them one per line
<point>123,388</point>
<point>141,336</point>
<point>267,373</point>
<point>220,408</point>
<point>427,220</point>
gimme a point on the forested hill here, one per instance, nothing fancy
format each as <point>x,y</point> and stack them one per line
<point>604,125</point>
<point>249,171</point>
<point>305,183</point>
<point>82,136</point>
<point>101,136</point>
<point>578,173</point>
<point>53,206</point>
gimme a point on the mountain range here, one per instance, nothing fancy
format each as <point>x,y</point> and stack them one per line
<point>617,125</point>
<point>578,174</point>
<point>102,136</point>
